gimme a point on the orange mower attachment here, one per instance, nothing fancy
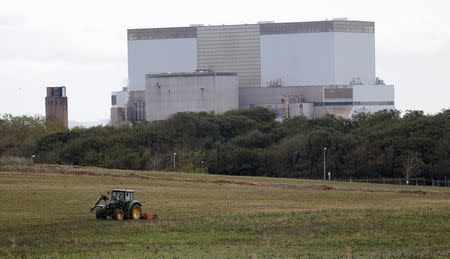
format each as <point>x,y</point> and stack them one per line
<point>149,216</point>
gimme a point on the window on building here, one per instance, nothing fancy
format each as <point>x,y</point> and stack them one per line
<point>139,110</point>
<point>113,99</point>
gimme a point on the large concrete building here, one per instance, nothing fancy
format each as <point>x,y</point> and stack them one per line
<point>56,105</point>
<point>301,53</point>
<point>307,56</point>
<point>167,94</point>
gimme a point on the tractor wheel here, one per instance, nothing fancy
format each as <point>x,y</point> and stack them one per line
<point>136,212</point>
<point>118,214</point>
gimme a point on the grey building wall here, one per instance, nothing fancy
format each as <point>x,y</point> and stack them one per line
<point>136,106</point>
<point>234,48</point>
<point>167,94</point>
<point>338,100</point>
<point>317,26</point>
<point>118,116</point>
<point>162,33</point>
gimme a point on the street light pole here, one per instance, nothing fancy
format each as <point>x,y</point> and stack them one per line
<point>174,161</point>
<point>324,164</point>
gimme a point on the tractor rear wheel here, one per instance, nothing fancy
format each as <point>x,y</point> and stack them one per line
<point>136,212</point>
<point>118,214</point>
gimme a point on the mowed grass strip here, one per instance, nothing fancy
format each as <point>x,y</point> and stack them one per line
<point>45,213</point>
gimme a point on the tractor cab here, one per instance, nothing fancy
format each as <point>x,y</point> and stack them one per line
<point>122,195</point>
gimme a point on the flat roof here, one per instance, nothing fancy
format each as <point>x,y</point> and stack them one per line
<point>265,29</point>
<point>191,74</point>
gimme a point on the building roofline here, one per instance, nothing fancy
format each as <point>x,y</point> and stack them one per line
<point>265,29</point>
<point>192,74</point>
<point>241,24</point>
<point>315,86</point>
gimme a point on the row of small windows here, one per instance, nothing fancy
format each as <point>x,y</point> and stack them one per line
<point>56,102</point>
<point>356,103</point>
<point>338,93</point>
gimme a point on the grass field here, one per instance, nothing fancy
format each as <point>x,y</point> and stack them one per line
<point>45,213</point>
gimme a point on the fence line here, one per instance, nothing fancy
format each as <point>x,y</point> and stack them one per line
<point>442,182</point>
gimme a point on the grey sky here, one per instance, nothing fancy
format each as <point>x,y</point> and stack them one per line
<point>82,45</point>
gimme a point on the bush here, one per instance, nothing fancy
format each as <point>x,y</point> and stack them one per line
<point>244,142</point>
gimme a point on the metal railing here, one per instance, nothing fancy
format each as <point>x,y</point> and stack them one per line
<point>437,182</point>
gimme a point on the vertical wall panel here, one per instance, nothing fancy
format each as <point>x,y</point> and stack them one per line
<point>298,59</point>
<point>354,57</point>
<point>159,56</point>
<point>233,48</point>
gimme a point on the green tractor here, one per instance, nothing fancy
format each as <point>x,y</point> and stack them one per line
<point>121,205</point>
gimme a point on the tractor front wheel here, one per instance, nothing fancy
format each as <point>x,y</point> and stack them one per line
<point>118,214</point>
<point>136,212</point>
<point>100,216</point>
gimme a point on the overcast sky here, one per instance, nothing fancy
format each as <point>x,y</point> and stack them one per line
<point>82,45</point>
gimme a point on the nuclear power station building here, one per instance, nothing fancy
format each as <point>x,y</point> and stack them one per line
<point>296,69</point>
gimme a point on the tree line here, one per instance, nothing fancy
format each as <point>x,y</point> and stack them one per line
<point>246,142</point>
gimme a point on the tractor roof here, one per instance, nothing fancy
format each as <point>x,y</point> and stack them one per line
<point>122,190</point>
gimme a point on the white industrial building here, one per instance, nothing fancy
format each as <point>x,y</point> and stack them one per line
<point>317,101</point>
<point>307,56</point>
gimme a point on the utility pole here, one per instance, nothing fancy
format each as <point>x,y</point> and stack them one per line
<point>174,160</point>
<point>324,163</point>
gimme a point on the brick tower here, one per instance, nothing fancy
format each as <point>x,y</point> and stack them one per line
<point>56,104</point>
